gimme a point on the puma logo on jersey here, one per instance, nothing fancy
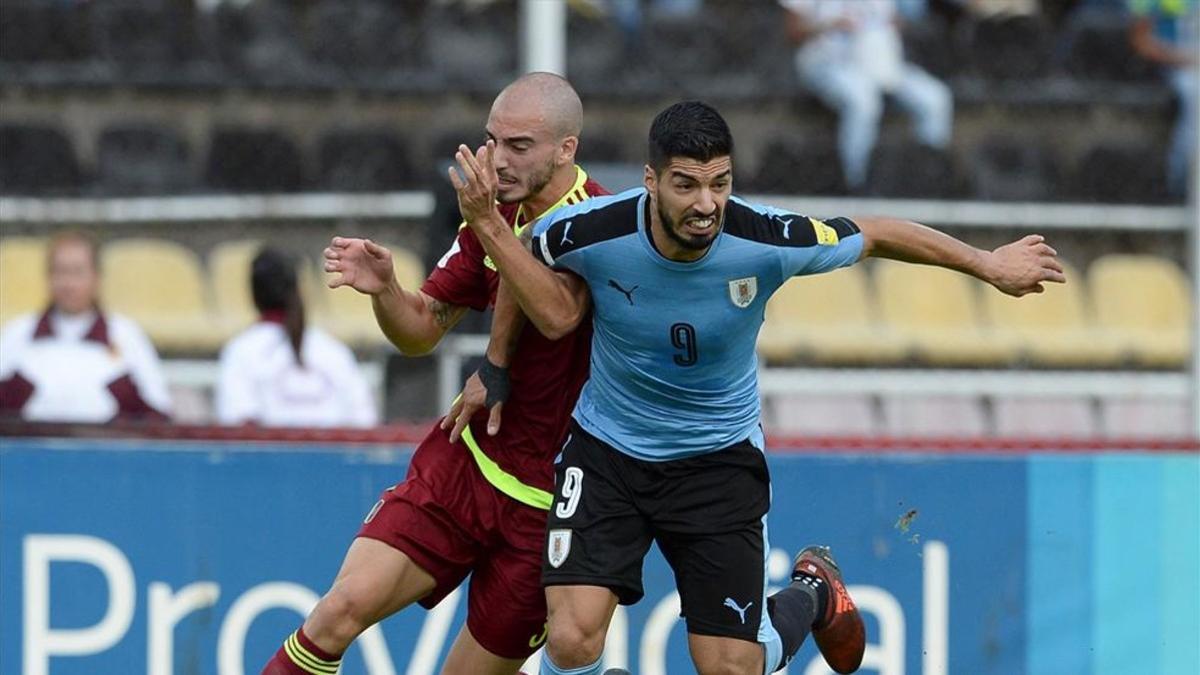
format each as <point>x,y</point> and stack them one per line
<point>787,227</point>
<point>740,610</point>
<point>566,234</point>
<point>628,293</point>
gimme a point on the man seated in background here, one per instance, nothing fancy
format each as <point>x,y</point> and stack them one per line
<point>280,372</point>
<point>75,362</point>
<point>849,54</point>
<point>1165,32</point>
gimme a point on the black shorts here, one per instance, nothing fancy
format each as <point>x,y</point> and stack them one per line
<point>707,514</point>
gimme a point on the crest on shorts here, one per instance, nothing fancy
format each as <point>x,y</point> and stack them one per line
<point>742,291</point>
<point>559,547</point>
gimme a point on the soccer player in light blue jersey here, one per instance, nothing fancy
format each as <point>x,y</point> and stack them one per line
<point>666,444</point>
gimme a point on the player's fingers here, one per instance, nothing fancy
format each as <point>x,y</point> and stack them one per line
<point>339,242</point>
<point>1032,239</point>
<point>374,249</point>
<point>465,161</point>
<point>1054,275</point>
<point>494,419</point>
<point>1046,249</point>
<point>337,282</point>
<point>455,180</point>
<point>460,423</point>
<point>1053,264</point>
<point>452,414</point>
<point>332,266</point>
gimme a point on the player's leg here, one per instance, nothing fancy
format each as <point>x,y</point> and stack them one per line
<point>710,523</point>
<point>468,657</point>
<point>576,626</point>
<point>595,539</point>
<point>858,102</point>
<point>506,606</point>
<point>374,582</point>
<point>930,104</point>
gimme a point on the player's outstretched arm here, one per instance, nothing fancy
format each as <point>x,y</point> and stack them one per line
<point>1018,268</point>
<point>413,321</point>
<point>555,303</point>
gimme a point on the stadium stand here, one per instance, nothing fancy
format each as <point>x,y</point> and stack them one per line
<point>364,160</point>
<point>792,166</point>
<point>37,159</point>
<point>1121,172</point>
<point>1145,417</point>
<point>937,311</point>
<point>925,415</point>
<point>142,159</point>
<point>821,415</point>
<point>1008,47</point>
<point>1054,328</point>
<point>1056,417</point>
<point>160,285</point>
<point>906,168</point>
<point>22,276</point>
<point>253,160</point>
<point>1144,302</point>
<point>1004,168</point>
<point>829,318</point>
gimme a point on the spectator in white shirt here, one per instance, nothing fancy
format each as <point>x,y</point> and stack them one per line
<point>848,54</point>
<point>75,362</point>
<point>281,373</point>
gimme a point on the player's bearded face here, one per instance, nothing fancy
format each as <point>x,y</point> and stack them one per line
<point>523,177</point>
<point>690,198</point>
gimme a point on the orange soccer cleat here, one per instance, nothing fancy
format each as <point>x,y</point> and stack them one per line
<point>840,634</point>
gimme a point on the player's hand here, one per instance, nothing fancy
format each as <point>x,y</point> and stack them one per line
<point>361,263</point>
<point>473,397</point>
<point>1023,266</point>
<point>478,183</point>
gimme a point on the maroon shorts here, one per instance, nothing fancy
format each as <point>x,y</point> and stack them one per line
<point>452,522</point>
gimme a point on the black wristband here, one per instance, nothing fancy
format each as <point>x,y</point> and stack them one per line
<point>495,381</point>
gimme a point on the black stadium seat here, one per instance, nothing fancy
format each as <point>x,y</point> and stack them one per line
<point>364,160</point>
<point>1005,168</point>
<point>799,168</point>
<point>908,169</point>
<point>245,160</point>
<point>37,160</point>
<point>1098,48</point>
<point>140,159</point>
<point>1008,47</point>
<point>44,32</point>
<point>1121,173</point>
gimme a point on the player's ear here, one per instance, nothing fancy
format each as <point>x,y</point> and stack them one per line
<point>650,179</point>
<point>566,150</point>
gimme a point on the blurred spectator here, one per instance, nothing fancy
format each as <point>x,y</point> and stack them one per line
<point>281,373</point>
<point>74,362</point>
<point>848,53</point>
<point>1165,32</point>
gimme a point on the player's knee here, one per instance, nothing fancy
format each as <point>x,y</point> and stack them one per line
<point>341,616</point>
<point>572,644</point>
<point>728,663</point>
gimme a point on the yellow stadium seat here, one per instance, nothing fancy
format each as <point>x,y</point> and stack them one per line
<point>160,285</point>
<point>22,276</point>
<point>827,318</point>
<point>347,314</point>
<point>1144,301</point>
<point>937,311</point>
<point>229,279</point>
<point>1053,328</point>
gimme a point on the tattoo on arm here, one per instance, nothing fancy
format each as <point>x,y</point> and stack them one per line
<point>443,313</point>
<point>526,237</point>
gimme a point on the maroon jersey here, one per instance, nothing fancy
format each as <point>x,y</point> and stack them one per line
<point>546,375</point>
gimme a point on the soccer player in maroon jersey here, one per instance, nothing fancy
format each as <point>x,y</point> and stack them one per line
<point>476,507</point>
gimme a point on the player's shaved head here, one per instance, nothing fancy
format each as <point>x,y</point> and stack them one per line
<point>548,96</point>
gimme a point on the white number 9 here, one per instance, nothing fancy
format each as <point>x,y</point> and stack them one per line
<point>572,490</point>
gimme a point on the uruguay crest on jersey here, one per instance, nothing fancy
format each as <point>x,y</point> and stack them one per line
<point>742,291</point>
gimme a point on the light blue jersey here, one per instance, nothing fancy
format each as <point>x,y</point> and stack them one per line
<point>674,369</point>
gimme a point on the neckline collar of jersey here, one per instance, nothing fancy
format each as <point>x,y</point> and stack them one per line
<point>652,250</point>
<point>576,190</point>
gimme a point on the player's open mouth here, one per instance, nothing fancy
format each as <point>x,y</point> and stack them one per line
<point>700,225</point>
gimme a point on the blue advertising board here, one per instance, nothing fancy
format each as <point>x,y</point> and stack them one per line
<point>124,557</point>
